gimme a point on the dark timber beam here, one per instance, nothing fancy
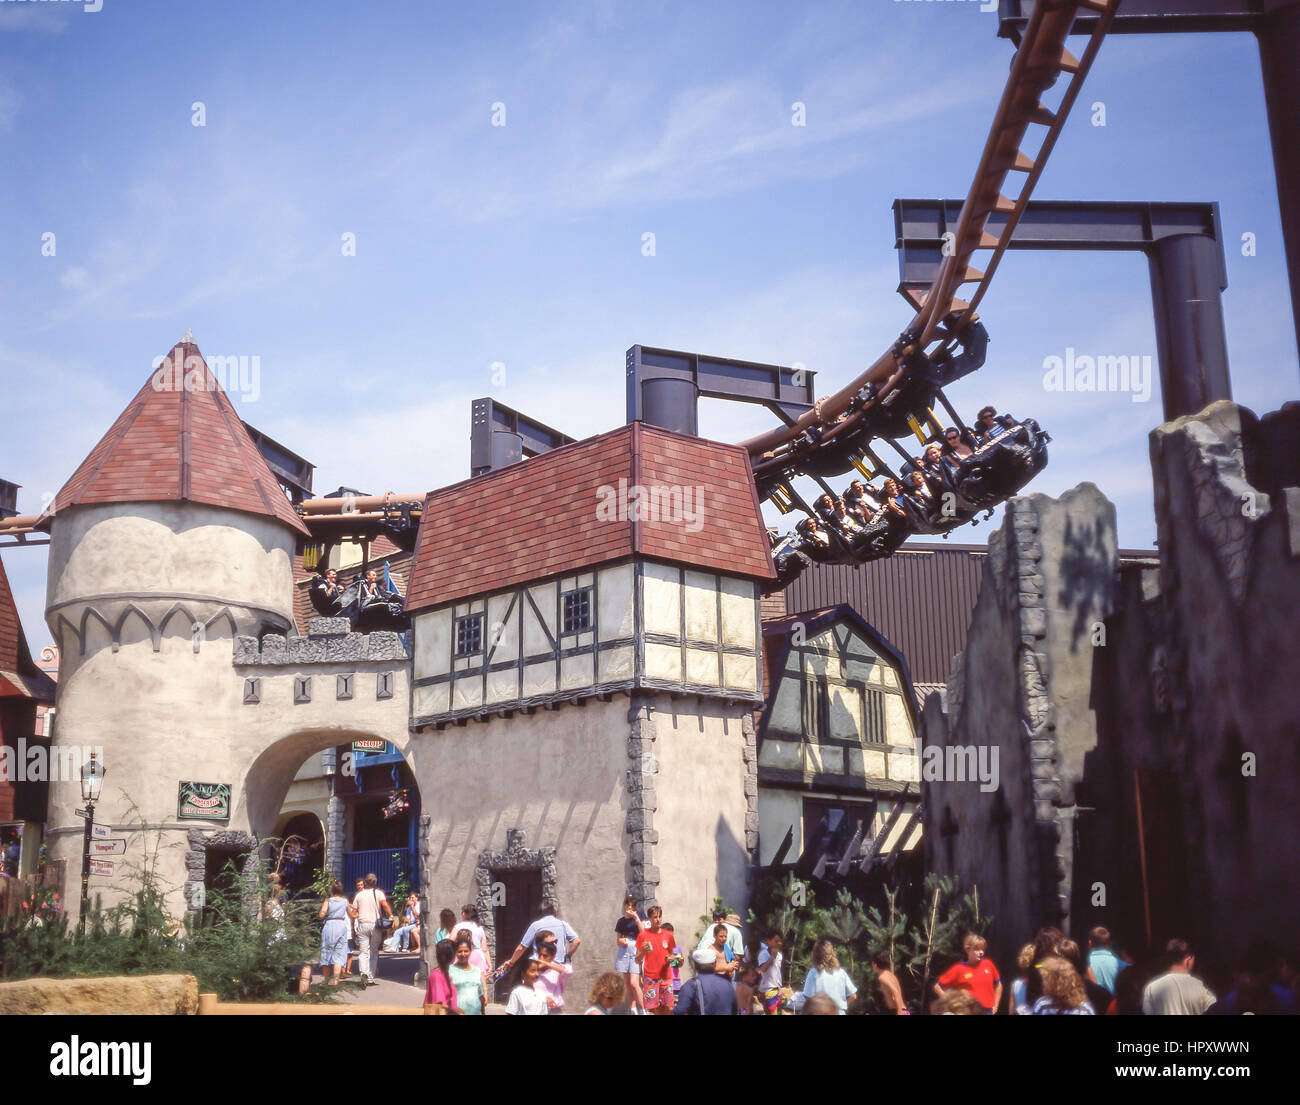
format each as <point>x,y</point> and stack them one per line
<point>1183,245</point>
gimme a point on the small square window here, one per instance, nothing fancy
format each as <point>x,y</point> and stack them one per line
<point>252,695</point>
<point>301,688</point>
<point>469,635</point>
<point>384,685</point>
<point>575,610</point>
<point>344,689</point>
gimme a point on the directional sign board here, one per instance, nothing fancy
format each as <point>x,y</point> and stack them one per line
<point>81,813</point>
<point>101,867</point>
<point>102,832</point>
<point>108,847</point>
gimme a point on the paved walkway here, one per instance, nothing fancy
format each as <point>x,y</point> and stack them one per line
<point>394,984</point>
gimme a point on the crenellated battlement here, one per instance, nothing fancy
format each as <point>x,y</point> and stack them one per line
<point>328,641</point>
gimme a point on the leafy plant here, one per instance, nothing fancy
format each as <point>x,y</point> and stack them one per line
<point>238,945</point>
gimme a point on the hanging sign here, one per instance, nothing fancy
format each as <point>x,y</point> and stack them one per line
<point>204,801</point>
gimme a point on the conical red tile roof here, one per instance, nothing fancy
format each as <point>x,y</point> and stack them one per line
<point>180,439</point>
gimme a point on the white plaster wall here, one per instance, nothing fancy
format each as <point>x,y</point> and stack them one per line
<point>147,549</point>
<point>661,599</point>
<point>432,636</point>
<point>700,819</point>
<point>560,776</point>
<point>614,610</point>
<point>700,594</point>
<point>163,717</point>
<point>739,628</point>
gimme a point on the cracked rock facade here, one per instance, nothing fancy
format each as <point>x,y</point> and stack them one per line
<point>1143,709</point>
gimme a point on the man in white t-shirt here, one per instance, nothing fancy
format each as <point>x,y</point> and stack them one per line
<point>370,903</point>
<point>1177,992</point>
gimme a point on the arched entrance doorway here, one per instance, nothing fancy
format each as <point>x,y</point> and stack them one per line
<point>298,851</point>
<point>321,801</point>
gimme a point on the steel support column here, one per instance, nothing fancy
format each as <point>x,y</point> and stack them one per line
<point>1191,346</point>
<point>1278,32</point>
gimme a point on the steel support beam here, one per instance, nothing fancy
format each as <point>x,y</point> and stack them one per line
<point>501,436</point>
<point>664,386</point>
<point>1276,26</point>
<point>292,471</point>
<point>1184,249</point>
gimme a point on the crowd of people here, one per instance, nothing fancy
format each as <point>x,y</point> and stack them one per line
<point>1054,975</point>
<point>945,485</point>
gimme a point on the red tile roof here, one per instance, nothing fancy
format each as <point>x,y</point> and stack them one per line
<point>180,439</point>
<point>18,675</point>
<point>11,633</point>
<point>539,518</point>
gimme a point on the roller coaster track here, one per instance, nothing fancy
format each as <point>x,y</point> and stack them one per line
<point>941,321</point>
<point>1037,64</point>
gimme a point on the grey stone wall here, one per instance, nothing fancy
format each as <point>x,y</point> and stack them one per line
<point>1021,687</point>
<point>1198,685</point>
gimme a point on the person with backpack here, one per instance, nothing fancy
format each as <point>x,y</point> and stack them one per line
<point>707,994</point>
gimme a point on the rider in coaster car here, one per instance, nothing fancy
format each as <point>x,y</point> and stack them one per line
<point>815,540</point>
<point>844,523</point>
<point>825,507</point>
<point>374,593</point>
<point>938,472</point>
<point>894,510</point>
<point>920,494</point>
<point>956,445</point>
<point>862,501</point>
<point>326,593</point>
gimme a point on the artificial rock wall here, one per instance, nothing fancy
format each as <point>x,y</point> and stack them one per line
<point>1022,687</point>
<point>1140,712</point>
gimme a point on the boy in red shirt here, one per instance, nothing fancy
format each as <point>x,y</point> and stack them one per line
<point>654,951</point>
<point>976,975</point>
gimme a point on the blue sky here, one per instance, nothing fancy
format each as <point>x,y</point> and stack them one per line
<point>522,244</point>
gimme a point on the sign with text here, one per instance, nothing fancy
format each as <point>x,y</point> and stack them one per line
<point>369,746</point>
<point>100,831</point>
<point>101,867</point>
<point>108,847</point>
<point>205,801</point>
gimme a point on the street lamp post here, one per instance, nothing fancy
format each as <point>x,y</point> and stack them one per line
<point>92,782</point>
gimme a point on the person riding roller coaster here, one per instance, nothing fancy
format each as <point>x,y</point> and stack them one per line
<point>327,593</point>
<point>366,602</point>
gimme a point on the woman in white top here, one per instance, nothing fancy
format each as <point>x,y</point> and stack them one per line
<point>524,1000</point>
<point>829,978</point>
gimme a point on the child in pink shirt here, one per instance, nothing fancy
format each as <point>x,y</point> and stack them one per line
<point>554,977</point>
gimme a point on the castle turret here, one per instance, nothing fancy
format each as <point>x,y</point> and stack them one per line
<point>171,539</point>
